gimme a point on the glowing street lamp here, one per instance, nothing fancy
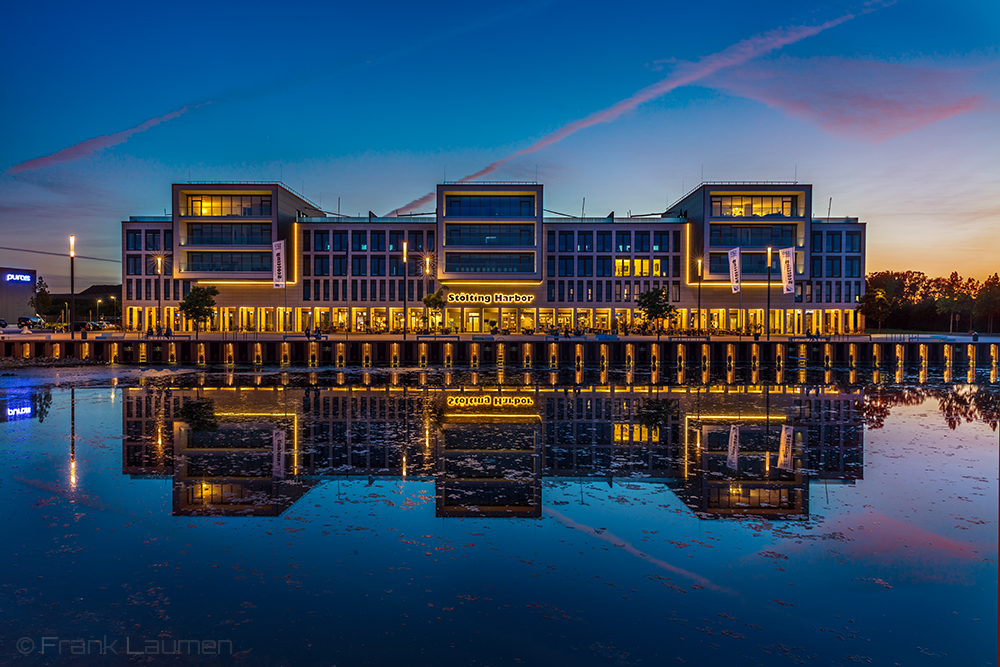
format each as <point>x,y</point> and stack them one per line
<point>699,295</point>
<point>767,320</point>
<point>405,285</point>
<point>72,285</point>
<point>159,279</point>
<point>98,310</point>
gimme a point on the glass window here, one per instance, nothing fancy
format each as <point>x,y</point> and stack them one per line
<point>487,262</point>
<point>378,242</point>
<point>152,240</point>
<point>817,268</point>
<point>378,265</point>
<point>623,242</point>
<point>359,242</point>
<point>133,239</point>
<point>604,267</point>
<point>322,266</point>
<point>550,266</point>
<point>477,235</point>
<point>604,242</point>
<point>551,290</point>
<point>416,241</point>
<point>227,261</point>
<point>565,241</point>
<point>623,267</point>
<point>396,265</point>
<point>306,290</point>
<point>395,241</point>
<point>551,241</point>
<point>306,240</point>
<point>481,206</point>
<point>832,267</point>
<point>430,241</point>
<point>585,267</point>
<point>306,265</point>
<point>585,242</point>
<point>817,241</point>
<point>747,206</point>
<point>338,266</point>
<point>565,266</point>
<point>227,205</point>
<point>338,241</point>
<point>359,266</point>
<point>642,241</point>
<point>661,241</point>
<point>322,239</point>
<point>852,242</point>
<point>833,241</point>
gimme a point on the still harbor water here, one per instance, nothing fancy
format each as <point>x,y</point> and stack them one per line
<point>428,517</point>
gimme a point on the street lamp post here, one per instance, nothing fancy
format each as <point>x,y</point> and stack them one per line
<point>72,285</point>
<point>427,271</point>
<point>767,319</point>
<point>98,310</point>
<point>405,285</point>
<point>114,308</point>
<point>699,296</point>
<point>159,292</point>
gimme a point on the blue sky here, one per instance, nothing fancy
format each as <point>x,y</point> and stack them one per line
<point>891,110</point>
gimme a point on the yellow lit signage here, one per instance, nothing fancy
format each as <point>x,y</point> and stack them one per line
<point>487,299</point>
<point>490,401</point>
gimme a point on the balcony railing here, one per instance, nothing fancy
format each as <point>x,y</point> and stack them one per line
<point>225,240</point>
<point>798,212</point>
<point>225,212</point>
<point>742,241</point>
<point>205,267</point>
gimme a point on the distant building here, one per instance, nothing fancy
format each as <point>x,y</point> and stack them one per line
<point>505,266</point>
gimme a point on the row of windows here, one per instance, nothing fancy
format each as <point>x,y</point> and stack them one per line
<point>134,265</point>
<point>622,241</point>
<point>779,236</point>
<point>752,262</point>
<point>228,205</point>
<point>829,291</point>
<point>133,239</point>
<point>361,290</point>
<point>252,234</point>
<point>517,206</point>
<point>473,235</point>
<point>831,267</point>
<point>608,267</point>
<point>746,206</point>
<point>589,291</point>
<point>323,240</point>
<point>321,265</point>
<point>153,289</point>
<point>489,262</point>
<point>228,261</point>
<point>837,241</point>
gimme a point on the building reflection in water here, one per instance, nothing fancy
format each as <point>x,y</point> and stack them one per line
<point>489,448</point>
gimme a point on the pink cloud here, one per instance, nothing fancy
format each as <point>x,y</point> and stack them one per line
<point>684,74</point>
<point>867,99</point>
<point>91,146</point>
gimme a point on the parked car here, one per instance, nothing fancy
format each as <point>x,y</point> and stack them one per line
<point>30,322</point>
<point>84,326</point>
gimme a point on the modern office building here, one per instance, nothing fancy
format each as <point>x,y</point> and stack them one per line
<point>503,265</point>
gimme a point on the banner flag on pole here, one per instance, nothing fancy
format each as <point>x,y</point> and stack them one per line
<point>278,454</point>
<point>734,269</point>
<point>278,264</point>
<point>787,256</point>
<point>785,449</point>
<point>733,455</point>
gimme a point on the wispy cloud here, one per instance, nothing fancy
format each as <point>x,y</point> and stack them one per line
<point>91,146</point>
<point>866,99</point>
<point>684,74</point>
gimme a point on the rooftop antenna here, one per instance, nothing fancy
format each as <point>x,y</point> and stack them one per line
<point>828,207</point>
<point>583,208</point>
<point>796,174</point>
<point>338,206</point>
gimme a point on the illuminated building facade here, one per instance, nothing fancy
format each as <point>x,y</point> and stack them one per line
<point>505,267</point>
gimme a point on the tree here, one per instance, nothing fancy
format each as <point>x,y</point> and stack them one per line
<point>655,306</point>
<point>988,299</point>
<point>875,304</point>
<point>199,414</point>
<point>198,304</point>
<point>42,300</point>
<point>953,295</point>
<point>435,302</point>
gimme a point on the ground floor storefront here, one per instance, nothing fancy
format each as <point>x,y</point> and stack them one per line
<point>497,320</point>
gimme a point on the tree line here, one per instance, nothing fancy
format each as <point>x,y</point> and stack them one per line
<point>911,300</point>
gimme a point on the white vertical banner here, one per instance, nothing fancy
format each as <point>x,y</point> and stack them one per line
<point>785,448</point>
<point>278,264</point>
<point>733,455</point>
<point>278,454</point>
<point>735,269</point>
<point>787,256</point>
